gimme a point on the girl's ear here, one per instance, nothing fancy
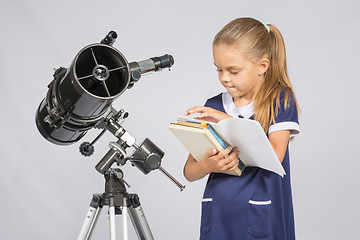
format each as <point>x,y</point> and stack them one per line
<point>263,66</point>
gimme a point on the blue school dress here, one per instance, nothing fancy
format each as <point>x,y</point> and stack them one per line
<point>258,204</point>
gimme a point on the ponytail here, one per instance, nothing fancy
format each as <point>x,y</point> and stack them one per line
<point>268,102</point>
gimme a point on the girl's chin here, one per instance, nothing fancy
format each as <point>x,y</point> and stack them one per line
<point>233,92</point>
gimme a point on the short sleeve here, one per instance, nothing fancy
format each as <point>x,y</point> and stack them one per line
<point>286,119</point>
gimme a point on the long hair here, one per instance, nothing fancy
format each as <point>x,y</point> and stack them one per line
<point>258,41</point>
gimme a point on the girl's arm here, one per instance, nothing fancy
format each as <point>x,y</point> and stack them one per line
<point>213,162</point>
<point>279,141</point>
<point>194,170</point>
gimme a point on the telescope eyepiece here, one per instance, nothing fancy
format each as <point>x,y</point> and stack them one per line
<point>165,61</point>
<point>109,38</point>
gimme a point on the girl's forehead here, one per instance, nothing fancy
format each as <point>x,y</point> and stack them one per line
<point>232,47</point>
<point>229,54</point>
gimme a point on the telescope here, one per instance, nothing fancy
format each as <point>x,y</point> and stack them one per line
<point>80,98</point>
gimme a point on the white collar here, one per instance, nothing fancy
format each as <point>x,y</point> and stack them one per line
<point>231,109</point>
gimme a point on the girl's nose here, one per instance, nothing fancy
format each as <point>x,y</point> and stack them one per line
<point>224,77</point>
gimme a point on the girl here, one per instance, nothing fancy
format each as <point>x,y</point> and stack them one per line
<point>251,62</point>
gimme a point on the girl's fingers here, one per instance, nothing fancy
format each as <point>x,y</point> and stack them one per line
<point>222,161</point>
<point>212,152</point>
<point>194,110</point>
<point>231,160</point>
<point>207,114</point>
<point>225,152</point>
<point>233,165</point>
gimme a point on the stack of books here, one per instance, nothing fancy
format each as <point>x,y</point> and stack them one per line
<point>198,137</point>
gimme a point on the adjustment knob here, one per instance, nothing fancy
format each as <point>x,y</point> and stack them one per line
<point>86,149</point>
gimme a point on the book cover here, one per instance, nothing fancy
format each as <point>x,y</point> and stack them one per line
<point>199,138</point>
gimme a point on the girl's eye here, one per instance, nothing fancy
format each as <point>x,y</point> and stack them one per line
<point>218,70</point>
<point>234,73</point>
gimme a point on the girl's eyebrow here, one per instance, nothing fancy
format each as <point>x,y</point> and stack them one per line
<point>230,67</point>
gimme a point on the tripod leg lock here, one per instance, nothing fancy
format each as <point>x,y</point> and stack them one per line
<point>95,201</point>
<point>134,200</point>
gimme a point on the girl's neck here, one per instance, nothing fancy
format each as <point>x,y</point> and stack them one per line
<point>240,102</point>
<point>247,98</point>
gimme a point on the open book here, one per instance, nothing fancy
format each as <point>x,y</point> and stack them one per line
<point>198,137</point>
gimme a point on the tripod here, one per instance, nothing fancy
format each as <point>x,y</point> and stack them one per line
<point>119,202</point>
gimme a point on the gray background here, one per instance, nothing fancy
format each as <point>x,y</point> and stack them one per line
<point>46,188</point>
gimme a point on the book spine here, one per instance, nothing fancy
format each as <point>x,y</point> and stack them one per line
<point>224,145</point>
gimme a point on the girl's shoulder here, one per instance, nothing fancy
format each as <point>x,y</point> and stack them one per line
<point>215,98</point>
<point>286,95</point>
<point>216,102</point>
<point>285,100</point>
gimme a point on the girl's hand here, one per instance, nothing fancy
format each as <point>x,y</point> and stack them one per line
<point>207,114</point>
<point>222,161</point>
<point>213,162</point>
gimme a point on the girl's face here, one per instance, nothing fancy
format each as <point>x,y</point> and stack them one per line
<point>241,77</point>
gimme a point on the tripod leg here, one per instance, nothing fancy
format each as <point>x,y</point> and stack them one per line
<point>139,220</point>
<point>125,219</point>
<point>91,218</point>
<point>112,218</point>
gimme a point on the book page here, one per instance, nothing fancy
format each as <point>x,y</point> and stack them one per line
<point>254,146</point>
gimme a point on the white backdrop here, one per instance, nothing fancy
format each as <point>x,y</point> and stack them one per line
<point>46,189</point>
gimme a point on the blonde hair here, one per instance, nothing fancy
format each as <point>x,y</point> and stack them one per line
<point>259,41</point>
